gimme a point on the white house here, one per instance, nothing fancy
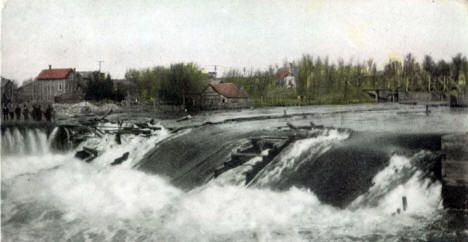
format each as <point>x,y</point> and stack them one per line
<point>286,79</point>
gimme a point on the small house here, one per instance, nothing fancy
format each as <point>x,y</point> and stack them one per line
<point>286,79</point>
<point>224,96</point>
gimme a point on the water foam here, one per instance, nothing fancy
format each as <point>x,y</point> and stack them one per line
<point>297,153</point>
<point>401,178</point>
<point>81,201</point>
<point>236,176</point>
<point>136,145</point>
<point>27,151</point>
<point>30,151</point>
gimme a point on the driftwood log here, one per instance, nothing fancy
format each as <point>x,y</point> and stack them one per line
<point>87,128</point>
<point>121,159</point>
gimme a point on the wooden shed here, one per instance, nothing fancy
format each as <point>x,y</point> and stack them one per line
<point>224,96</point>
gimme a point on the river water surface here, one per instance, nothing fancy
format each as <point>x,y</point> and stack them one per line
<point>340,185</point>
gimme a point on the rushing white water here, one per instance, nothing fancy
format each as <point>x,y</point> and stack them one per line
<point>53,135</point>
<point>236,176</point>
<point>24,142</point>
<point>401,179</point>
<point>59,198</point>
<point>137,146</point>
<point>300,151</point>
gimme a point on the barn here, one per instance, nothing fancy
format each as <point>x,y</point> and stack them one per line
<point>53,83</point>
<point>224,96</point>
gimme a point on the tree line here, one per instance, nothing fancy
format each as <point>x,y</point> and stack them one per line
<point>174,85</point>
<point>99,86</point>
<point>321,82</point>
<point>318,80</point>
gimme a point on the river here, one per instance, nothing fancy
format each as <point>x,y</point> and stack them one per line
<point>340,185</point>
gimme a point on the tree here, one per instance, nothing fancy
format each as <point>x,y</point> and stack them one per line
<point>392,71</point>
<point>183,80</point>
<point>457,63</point>
<point>410,67</point>
<point>443,76</point>
<point>429,67</point>
<point>100,87</point>
<point>303,79</point>
<point>372,70</point>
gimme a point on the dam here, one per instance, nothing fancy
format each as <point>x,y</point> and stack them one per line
<point>317,173</point>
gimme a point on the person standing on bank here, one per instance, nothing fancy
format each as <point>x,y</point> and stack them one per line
<point>25,112</point>
<point>5,112</point>
<point>18,111</point>
<point>39,112</point>
<point>33,112</point>
<point>48,113</point>
<point>36,112</point>
<point>11,111</point>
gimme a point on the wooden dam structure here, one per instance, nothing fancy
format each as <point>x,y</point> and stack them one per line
<point>454,150</point>
<point>455,170</point>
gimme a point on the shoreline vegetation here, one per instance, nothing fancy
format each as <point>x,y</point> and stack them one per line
<point>319,81</point>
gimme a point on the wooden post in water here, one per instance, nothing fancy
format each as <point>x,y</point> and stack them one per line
<point>405,203</point>
<point>455,171</point>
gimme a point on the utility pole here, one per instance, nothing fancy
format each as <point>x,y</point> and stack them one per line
<point>100,62</point>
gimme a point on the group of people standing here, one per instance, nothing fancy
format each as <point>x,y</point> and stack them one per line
<point>26,111</point>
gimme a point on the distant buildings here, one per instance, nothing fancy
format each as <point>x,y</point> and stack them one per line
<point>224,96</point>
<point>53,85</point>
<point>26,92</point>
<point>64,85</point>
<point>9,91</point>
<point>286,78</point>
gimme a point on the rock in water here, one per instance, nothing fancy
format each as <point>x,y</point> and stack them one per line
<point>121,159</point>
<point>87,154</point>
<point>82,155</point>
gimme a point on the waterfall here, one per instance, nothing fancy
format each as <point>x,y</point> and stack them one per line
<point>33,142</point>
<point>20,142</point>
<point>53,135</point>
<point>82,200</point>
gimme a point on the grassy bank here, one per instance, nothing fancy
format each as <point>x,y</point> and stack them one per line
<point>283,102</point>
<point>289,97</point>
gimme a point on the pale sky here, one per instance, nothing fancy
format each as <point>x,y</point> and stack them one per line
<point>227,33</point>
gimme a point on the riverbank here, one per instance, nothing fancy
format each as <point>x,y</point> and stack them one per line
<point>359,116</point>
<point>182,120</point>
<point>165,112</point>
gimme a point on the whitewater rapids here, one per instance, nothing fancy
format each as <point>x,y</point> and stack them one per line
<point>49,196</point>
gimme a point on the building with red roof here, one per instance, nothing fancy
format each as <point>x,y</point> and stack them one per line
<point>52,84</point>
<point>224,96</point>
<point>54,74</point>
<point>286,78</point>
